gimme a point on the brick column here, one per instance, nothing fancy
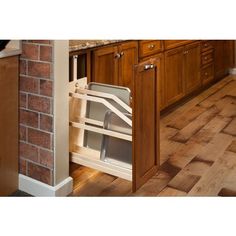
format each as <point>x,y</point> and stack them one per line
<point>36,156</point>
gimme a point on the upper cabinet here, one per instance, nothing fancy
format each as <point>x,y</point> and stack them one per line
<point>114,64</point>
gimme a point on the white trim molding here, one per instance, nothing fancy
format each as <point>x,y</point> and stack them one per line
<point>232,71</point>
<point>39,189</point>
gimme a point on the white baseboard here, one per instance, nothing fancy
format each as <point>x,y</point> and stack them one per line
<point>232,71</point>
<point>39,189</point>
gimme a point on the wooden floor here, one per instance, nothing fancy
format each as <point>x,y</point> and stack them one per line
<point>198,152</point>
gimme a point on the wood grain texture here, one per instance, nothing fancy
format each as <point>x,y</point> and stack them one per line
<point>8,125</point>
<point>204,165</point>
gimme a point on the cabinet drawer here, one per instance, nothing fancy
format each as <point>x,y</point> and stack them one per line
<point>207,74</point>
<point>148,47</point>
<point>176,43</point>
<point>206,45</point>
<point>207,58</point>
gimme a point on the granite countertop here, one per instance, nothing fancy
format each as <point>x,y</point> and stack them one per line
<point>76,45</point>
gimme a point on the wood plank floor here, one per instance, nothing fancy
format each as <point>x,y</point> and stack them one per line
<point>198,152</point>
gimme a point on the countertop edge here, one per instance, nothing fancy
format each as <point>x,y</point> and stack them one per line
<point>8,52</point>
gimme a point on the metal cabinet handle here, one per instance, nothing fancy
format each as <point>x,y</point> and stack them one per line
<point>117,55</point>
<point>148,66</point>
<point>122,54</point>
<point>151,46</point>
<point>185,52</point>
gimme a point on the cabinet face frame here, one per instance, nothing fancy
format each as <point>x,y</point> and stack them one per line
<point>146,160</point>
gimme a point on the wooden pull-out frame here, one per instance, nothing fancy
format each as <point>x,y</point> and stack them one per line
<point>86,156</point>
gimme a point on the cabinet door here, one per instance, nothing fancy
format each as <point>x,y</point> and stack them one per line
<point>174,81</point>
<point>129,58</point>
<point>219,59</point>
<point>105,65</point>
<point>145,123</point>
<point>8,125</point>
<point>192,77</point>
<point>228,54</point>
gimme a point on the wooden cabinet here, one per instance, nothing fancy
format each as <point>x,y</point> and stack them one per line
<point>114,64</point>
<point>161,78</point>
<point>224,57</point>
<point>207,61</point>
<point>146,143</point>
<point>174,84</point>
<point>8,125</point>
<point>182,72</point>
<point>105,65</point>
<point>129,58</point>
<point>169,44</point>
<point>192,76</point>
<point>150,47</point>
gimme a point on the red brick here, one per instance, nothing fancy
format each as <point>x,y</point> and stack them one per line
<point>46,88</point>
<point>46,123</point>
<point>46,53</point>
<point>40,41</point>
<point>23,67</point>
<point>30,51</point>
<point>46,158</point>
<point>29,152</point>
<point>22,133</point>
<point>22,166</point>
<point>39,138</point>
<point>29,118</point>
<point>22,100</point>
<point>39,69</point>
<point>28,84</point>
<point>39,173</point>
<point>38,103</point>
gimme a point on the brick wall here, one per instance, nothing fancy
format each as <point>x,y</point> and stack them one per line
<point>36,157</point>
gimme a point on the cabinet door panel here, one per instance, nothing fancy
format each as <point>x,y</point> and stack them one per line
<point>145,124</point>
<point>229,54</point>
<point>192,67</point>
<point>220,70</point>
<point>174,84</point>
<point>129,58</point>
<point>105,66</point>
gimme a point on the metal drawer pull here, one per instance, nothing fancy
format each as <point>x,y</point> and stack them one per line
<point>148,66</point>
<point>151,46</point>
<point>117,55</point>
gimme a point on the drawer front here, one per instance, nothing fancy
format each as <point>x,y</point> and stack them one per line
<point>176,43</point>
<point>207,74</point>
<point>206,45</point>
<point>148,47</point>
<point>207,58</point>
